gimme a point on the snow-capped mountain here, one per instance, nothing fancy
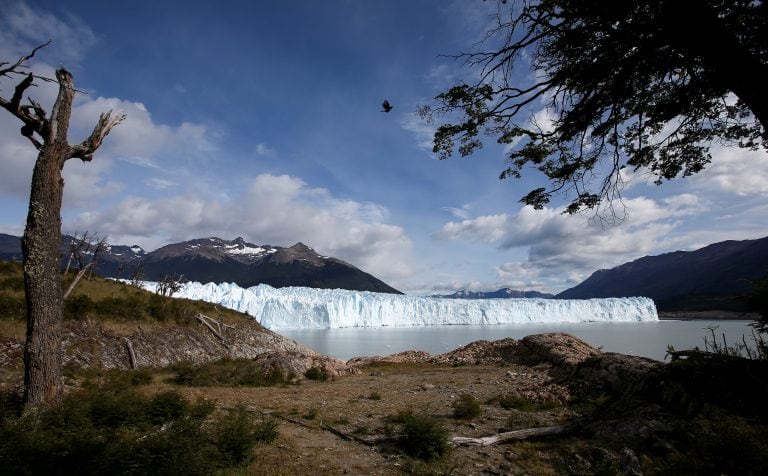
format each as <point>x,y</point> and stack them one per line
<point>247,264</point>
<point>217,260</point>
<point>503,293</point>
<point>307,308</point>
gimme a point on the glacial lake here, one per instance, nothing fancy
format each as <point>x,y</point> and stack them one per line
<point>648,339</point>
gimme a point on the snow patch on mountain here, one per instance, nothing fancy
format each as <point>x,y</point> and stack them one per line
<point>311,308</point>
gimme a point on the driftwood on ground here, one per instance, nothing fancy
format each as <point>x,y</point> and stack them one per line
<point>509,435</point>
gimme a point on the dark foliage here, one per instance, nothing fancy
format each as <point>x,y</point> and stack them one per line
<point>316,373</point>
<point>624,84</point>
<point>422,436</point>
<point>111,429</point>
<point>227,372</point>
<point>757,299</point>
<point>467,407</point>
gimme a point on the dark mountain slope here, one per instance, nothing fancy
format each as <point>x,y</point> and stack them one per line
<point>713,277</point>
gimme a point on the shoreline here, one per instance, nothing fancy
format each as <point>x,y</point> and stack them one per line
<point>708,315</point>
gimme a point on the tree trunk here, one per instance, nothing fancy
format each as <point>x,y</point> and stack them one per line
<point>42,284</point>
<point>41,246</point>
<point>41,243</point>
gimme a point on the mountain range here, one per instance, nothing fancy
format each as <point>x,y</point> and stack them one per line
<point>502,293</point>
<point>711,278</point>
<point>217,260</point>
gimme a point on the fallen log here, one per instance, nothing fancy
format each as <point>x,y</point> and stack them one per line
<point>203,319</point>
<point>131,353</point>
<point>510,435</point>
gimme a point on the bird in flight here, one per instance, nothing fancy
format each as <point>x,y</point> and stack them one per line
<point>386,106</point>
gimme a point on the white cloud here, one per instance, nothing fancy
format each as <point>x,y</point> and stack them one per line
<point>160,183</point>
<point>422,131</point>
<point>462,212</point>
<point>544,119</point>
<point>23,27</point>
<point>564,249</point>
<point>138,138</point>
<point>734,170</point>
<point>264,150</point>
<point>274,209</point>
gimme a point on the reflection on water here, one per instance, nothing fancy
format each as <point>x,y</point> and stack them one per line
<point>649,339</point>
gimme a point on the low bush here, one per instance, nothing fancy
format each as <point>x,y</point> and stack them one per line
<point>316,373</point>
<point>112,429</point>
<point>12,307</point>
<point>422,436</point>
<point>311,413</point>
<point>12,283</point>
<point>467,407</point>
<point>228,373</point>
<point>78,306</point>
<point>361,431</point>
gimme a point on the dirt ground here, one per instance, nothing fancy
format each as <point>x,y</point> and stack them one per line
<point>313,414</point>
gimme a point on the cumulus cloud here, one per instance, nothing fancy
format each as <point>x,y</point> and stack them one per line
<point>565,249</point>
<point>139,139</point>
<point>273,209</point>
<point>734,170</point>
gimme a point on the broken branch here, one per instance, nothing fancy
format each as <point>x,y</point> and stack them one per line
<point>509,435</point>
<point>84,151</point>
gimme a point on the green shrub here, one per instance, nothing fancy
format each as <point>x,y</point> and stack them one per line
<point>311,413</point>
<point>12,307</point>
<point>374,396</point>
<point>111,429</point>
<point>422,436</point>
<point>77,306</point>
<point>316,373</point>
<point>166,406</point>
<point>236,433</point>
<point>12,283</point>
<point>227,372</point>
<point>10,406</point>
<point>467,407</point>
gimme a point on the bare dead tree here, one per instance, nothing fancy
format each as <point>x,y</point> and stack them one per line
<point>88,254</point>
<point>41,243</point>
<point>82,248</point>
<point>170,284</point>
<point>120,268</point>
<point>138,274</point>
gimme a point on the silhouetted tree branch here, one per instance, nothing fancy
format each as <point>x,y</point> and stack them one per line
<point>624,85</point>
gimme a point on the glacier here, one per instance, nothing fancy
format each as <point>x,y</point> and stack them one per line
<point>311,308</point>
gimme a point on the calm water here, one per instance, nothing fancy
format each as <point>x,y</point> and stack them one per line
<point>649,339</point>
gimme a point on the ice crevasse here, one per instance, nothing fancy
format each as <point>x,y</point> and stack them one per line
<point>311,308</point>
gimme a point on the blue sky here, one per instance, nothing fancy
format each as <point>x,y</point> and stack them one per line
<point>263,120</point>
